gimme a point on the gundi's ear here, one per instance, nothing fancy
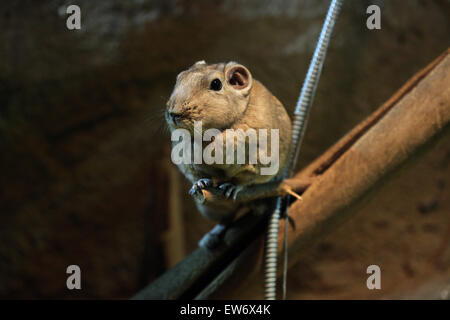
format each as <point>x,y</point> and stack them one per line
<point>199,63</point>
<point>239,77</point>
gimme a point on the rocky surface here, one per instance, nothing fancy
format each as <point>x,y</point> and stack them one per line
<point>85,153</point>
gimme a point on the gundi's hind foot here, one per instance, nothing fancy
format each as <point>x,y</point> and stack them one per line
<point>213,238</point>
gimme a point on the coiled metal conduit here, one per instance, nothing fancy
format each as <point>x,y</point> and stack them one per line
<point>298,130</point>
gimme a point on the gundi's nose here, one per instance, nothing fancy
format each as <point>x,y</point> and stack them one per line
<point>175,117</point>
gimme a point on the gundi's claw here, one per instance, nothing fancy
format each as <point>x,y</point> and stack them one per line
<point>230,190</point>
<point>199,185</point>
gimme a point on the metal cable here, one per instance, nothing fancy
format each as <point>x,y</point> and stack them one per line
<point>301,114</point>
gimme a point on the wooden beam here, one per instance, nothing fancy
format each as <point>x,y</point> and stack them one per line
<point>357,164</point>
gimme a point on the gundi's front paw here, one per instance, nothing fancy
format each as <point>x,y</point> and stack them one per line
<point>230,190</point>
<point>199,185</point>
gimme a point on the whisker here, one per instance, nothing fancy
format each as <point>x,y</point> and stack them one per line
<point>153,123</point>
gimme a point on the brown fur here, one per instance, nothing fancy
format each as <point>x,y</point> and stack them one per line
<point>242,105</point>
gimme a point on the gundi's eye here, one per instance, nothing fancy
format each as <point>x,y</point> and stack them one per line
<point>216,85</point>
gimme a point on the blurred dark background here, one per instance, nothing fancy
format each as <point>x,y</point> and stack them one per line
<point>86,173</point>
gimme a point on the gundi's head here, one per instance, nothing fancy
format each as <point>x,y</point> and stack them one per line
<point>216,94</point>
